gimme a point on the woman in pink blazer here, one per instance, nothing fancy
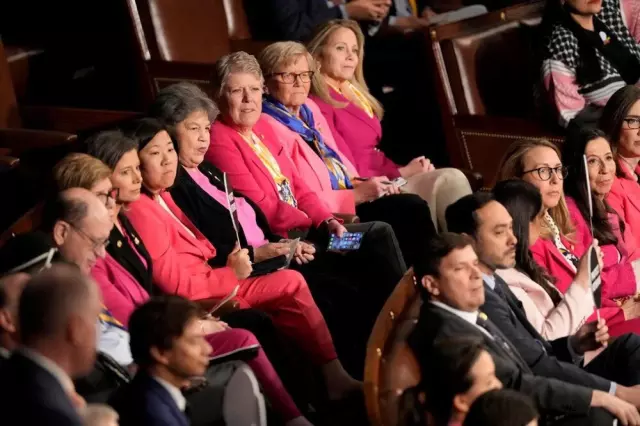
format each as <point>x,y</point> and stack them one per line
<point>310,145</point>
<point>181,255</point>
<point>354,115</point>
<point>621,122</point>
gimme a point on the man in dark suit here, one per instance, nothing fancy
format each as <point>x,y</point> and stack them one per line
<point>450,280</point>
<point>10,288</point>
<point>615,370</point>
<point>57,323</point>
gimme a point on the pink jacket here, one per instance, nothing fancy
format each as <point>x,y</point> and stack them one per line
<point>179,260</point>
<point>310,166</point>
<point>624,198</point>
<point>121,292</point>
<point>232,154</point>
<point>358,136</point>
<point>617,275</point>
<point>552,322</point>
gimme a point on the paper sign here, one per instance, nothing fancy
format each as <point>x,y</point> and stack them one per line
<point>231,205</point>
<point>228,297</point>
<point>594,265</point>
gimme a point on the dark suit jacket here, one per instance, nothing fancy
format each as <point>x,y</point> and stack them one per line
<point>550,395</point>
<point>30,395</point>
<point>548,359</point>
<point>145,402</point>
<point>212,218</point>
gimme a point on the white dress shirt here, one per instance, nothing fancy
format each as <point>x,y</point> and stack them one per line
<point>175,393</point>
<point>470,317</point>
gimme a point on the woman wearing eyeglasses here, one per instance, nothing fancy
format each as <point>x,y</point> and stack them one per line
<point>621,122</point>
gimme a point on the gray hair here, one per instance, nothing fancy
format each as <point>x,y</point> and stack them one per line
<point>174,104</point>
<point>283,53</point>
<point>49,299</point>
<point>98,415</point>
<point>109,146</point>
<point>236,62</point>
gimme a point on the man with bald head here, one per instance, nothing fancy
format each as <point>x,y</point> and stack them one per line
<point>56,318</point>
<point>10,289</point>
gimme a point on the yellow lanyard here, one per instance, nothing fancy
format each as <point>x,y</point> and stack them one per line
<point>414,7</point>
<point>361,101</point>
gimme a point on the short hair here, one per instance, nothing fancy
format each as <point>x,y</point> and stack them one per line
<point>236,62</point>
<point>109,146</point>
<point>446,373</point>
<point>436,249</point>
<point>176,102</point>
<point>461,216</point>
<point>157,324</point>
<point>17,279</point>
<point>616,110</point>
<point>48,300</point>
<point>283,53</point>
<point>78,170</point>
<point>64,207</point>
<point>502,407</point>
<point>143,130</point>
<point>98,414</point>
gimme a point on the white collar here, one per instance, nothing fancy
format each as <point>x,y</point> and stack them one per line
<point>54,369</point>
<point>4,353</point>
<point>471,317</point>
<point>175,393</point>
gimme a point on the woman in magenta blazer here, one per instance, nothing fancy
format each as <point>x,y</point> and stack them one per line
<point>354,115</point>
<point>309,144</point>
<point>621,122</point>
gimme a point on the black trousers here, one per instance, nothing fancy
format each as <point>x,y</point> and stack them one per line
<point>351,288</point>
<point>596,417</point>
<point>619,362</point>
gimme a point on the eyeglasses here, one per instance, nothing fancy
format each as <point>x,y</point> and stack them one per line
<point>95,244</point>
<point>632,123</point>
<point>290,77</point>
<point>105,196</point>
<point>544,173</point>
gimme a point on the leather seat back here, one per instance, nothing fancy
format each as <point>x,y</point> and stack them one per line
<point>390,366</point>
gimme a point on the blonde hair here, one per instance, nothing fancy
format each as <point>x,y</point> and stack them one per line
<point>283,53</point>
<point>512,166</point>
<point>79,171</point>
<point>236,62</point>
<point>316,47</point>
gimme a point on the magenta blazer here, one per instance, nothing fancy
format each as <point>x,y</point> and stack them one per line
<point>624,198</point>
<point>618,277</point>
<point>357,136</point>
<point>233,155</point>
<point>310,166</point>
<point>121,292</point>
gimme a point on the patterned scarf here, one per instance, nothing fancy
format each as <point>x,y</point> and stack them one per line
<point>305,127</point>
<point>566,253</point>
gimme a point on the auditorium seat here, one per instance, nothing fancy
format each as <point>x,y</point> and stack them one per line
<point>390,366</point>
<point>485,74</point>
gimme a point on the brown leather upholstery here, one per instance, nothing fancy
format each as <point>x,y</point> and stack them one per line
<point>28,222</point>
<point>484,80</point>
<point>9,115</point>
<point>21,140</point>
<point>239,33</point>
<point>20,61</point>
<point>390,366</point>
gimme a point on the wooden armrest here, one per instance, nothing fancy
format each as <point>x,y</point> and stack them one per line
<point>9,162</point>
<point>73,120</point>
<point>21,140</point>
<point>347,218</point>
<point>507,126</point>
<point>208,304</point>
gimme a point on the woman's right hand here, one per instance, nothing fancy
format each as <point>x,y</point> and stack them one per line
<point>269,251</point>
<point>239,261</point>
<point>211,326</point>
<point>583,274</point>
<point>372,189</point>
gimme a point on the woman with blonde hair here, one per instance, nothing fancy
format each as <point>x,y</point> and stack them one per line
<point>354,117</point>
<point>558,249</point>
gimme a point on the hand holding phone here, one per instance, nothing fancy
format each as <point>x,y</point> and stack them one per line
<point>349,241</point>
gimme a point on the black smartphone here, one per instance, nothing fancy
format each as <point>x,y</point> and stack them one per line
<point>348,242</point>
<point>269,265</point>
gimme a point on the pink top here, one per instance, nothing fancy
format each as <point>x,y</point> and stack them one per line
<point>624,198</point>
<point>246,214</point>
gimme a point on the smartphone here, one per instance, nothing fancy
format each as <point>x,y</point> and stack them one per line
<point>399,181</point>
<point>348,242</point>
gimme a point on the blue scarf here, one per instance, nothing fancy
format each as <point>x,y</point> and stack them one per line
<point>305,127</point>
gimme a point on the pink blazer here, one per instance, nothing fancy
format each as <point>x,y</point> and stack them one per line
<point>179,260</point>
<point>232,154</point>
<point>310,166</point>
<point>358,136</point>
<point>121,292</point>
<point>624,198</point>
<point>552,322</point>
<point>618,277</point>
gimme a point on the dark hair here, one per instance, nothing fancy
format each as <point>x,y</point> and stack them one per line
<point>63,207</point>
<point>109,146</point>
<point>615,111</point>
<point>174,104</point>
<point>503,407</point>
<point>157,323</point>
<point>573,150</point>
<point>461,216</point>
<point>143,130</point>
<point>445,374</point>
<point>524,203</point>
<point>436,249</point>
